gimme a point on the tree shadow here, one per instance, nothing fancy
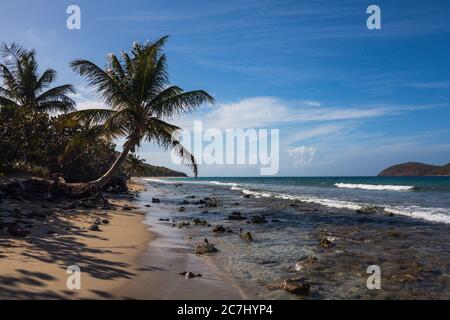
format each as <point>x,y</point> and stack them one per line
<point>64,248</point>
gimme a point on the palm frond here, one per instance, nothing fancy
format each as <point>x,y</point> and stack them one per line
<point>90,116</point>
<point>164,135</point>
<point>47,77</point>
<point>180,103</point>
<point>110,90</point>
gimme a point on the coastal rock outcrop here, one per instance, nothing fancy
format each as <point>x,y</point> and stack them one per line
<point>416,169</point>
<point>205,248</point>
<point>326,243</point>
<point>297,286</point>
<point>260,219</point>
<point>370,210</point>
<point>237,216</point>
<point>247,236</point>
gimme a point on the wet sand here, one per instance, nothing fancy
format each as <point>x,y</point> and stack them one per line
<point>168,255</point>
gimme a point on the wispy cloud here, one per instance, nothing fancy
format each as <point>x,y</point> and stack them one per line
<point>86,98</point>
<point>260,112</point>
<point>302,156</point>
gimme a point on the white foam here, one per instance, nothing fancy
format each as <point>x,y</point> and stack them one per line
<point>160,181</point>
<point>230,184</point>
<point>374,187</point>
<point>430,214</point>
<point>441,215</point>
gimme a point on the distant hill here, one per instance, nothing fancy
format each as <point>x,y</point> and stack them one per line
<point>154,171</point>
<point>416,169</point>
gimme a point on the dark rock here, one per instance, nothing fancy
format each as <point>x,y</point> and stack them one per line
<point>182,209</point>
<point>326,243</point>
<point>247,236</point>
<point>208,202</point>
<point>191,197</point>
<point>105,221</point>
<point>247,196</point>
<point>205,249</point>
<point>199,222</point>
<point>306,263</point>
<point>258,219</point>
<point>94,227</point>
<point>189,275</point>
<point>155,200</point>
<point>297,286</point>
<point>51,232</point>
<point>17,231</point>
<point>237,216</point>
<point>148,206</point>
<point>219,229</point>
<point>164,220</point>
<point>183,224</point>
<point>370,210</point>
<point>127,208</point>
<point>397,235</point>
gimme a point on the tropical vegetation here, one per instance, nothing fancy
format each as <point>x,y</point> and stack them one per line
<point>41,132</point>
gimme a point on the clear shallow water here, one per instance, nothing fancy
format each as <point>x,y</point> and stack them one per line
<point>413,254</point>
<point>425,198</point>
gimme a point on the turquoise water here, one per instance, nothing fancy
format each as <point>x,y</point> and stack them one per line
<point>426,198</point>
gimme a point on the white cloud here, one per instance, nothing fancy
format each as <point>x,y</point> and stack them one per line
<point>263,112</point>
<point>86,98</point>
<point>319,131</point>
<point>302,156</point>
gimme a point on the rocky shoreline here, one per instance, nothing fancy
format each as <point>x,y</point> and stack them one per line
<point>327,251</point>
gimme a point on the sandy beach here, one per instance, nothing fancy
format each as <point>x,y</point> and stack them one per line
<point>122,261</point>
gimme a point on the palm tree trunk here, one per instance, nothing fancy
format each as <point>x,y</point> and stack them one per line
<point>103,180</point>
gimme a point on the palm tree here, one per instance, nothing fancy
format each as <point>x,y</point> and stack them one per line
<point>135,165</point>
<point>24,87</point>
<point>136,88</point>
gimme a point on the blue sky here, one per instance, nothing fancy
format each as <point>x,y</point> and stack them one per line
<point>347,100</point>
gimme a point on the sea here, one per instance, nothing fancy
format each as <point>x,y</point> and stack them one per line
<point>407,236</point>
<point>425,198</point>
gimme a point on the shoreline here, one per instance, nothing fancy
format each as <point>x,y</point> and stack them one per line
<point>168,255</point>
<point>296,242</point>
<point>132,257</point>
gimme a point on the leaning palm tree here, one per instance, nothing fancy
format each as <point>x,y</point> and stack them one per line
<point>136,88</point>
<point>23,86</point>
